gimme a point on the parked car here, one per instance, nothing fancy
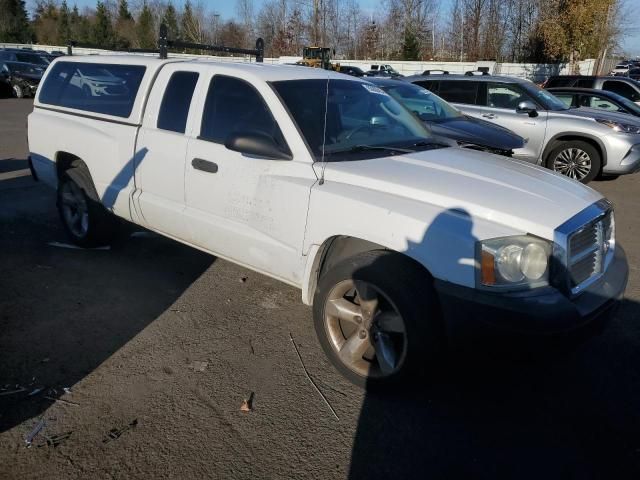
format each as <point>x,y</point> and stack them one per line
<point>634,73</point>
<point>353,71</point>
<point>21,79</point>
<point>447,121</point>
<point>383,71</point>
<point>626,87</point>
<point>621,69</point>
<point>15,55</point>
<point>599,99</point>
<point>387,233</point>
<point>580,143</point>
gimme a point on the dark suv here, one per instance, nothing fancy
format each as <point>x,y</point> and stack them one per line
<point>623,86</point>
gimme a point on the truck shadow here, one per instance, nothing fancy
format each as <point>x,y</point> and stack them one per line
<point>65,311</point>
<point>561,407</point>
<point>68,311</point>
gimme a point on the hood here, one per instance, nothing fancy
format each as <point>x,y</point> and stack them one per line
<point>479,132</point>
<point>494,188</point>
<point>594,113</point>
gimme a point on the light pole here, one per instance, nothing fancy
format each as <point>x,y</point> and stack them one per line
<point>216,17</point>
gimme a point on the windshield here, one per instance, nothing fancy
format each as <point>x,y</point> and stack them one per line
<point>20,67</point>
<point>357,114</point>
<point>545,98</point>
<point>426,105</point>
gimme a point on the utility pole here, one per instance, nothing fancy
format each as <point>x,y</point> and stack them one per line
<point>316,11</point>
<point>462,36</point>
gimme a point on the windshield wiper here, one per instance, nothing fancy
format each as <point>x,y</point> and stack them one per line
<point>362,148</point>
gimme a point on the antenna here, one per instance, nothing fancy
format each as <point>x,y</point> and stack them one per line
<point>324,132</point>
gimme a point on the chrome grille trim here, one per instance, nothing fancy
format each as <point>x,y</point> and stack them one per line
<point>580,254</point>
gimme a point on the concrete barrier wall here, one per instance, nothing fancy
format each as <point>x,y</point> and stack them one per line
<point>536,72</point>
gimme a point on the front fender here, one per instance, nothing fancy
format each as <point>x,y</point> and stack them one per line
<point>442,240</point>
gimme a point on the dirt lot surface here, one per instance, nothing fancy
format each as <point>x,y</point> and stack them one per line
<point>158,346</point>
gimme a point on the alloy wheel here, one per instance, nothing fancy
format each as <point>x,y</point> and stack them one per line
<point>573,162</point>
<point>75,209</point>
<point>365,329</point>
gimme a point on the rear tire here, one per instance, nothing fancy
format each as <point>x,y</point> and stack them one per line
<point>85,219</point>
<point>18,91</point>
<point>576,159</point>
<point>377,319</point>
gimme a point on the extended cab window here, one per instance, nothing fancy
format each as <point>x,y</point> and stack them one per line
<point>234,106</point>
<point>459,92</point>
<point>93,87</point>
<point>174,109</point>
<point>621,88</point>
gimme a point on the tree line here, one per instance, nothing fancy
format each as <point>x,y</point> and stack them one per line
<point>467,30</point>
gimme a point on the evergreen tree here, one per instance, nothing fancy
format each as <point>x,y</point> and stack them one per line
<point>14,26</point>
<point>102,28</point>
<point>145,29</point>
<point>64,27</point>
<point>410,47</point>
<point>170,19</point>
<point>125,26</point>
<point>123,11</point>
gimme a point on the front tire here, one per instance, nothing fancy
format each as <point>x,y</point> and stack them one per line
<point>575,159</point>
<point>85,219</point>
<point>377,319</point>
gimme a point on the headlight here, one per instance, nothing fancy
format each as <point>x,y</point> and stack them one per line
<point>620,127</point>
<point>519,262</point>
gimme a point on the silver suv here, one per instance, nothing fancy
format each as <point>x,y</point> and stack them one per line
<point>579,143</point>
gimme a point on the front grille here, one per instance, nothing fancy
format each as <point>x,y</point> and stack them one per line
<point>587,251</point>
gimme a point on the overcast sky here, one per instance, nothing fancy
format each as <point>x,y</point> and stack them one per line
<point>631,43</point>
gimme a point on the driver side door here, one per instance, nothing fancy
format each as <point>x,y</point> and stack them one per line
<point>247,209</point>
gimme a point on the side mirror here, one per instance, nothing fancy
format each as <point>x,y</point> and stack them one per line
<point>258,144</point>
<point>527,107</point>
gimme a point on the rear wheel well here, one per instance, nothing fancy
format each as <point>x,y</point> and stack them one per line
<point>570,138</point>
<point>65,161</point>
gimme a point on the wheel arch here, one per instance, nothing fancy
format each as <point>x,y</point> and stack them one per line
<point>576,136</point>
<point>332,251</point>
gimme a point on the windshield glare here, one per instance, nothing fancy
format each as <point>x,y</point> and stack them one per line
<point>426,105</point>
<point>357,114</point>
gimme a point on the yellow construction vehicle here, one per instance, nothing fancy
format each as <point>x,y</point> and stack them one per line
<point>318,57</point>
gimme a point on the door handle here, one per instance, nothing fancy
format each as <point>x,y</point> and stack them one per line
<point>489,115</point>
<point>204,165</point>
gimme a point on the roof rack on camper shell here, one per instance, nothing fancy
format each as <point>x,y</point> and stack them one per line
<point>164,44</point>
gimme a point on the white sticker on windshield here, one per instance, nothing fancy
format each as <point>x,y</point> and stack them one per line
<point>374,89</point>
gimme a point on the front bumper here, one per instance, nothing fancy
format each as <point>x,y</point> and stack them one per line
<point>545,312</point>
<point>630,163</point>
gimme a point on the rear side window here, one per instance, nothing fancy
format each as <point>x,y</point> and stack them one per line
<point>459,92</point>
<point>234,106</point>
<point>622,88</point>
<point>93,87</point>
<point>174,109</point>
<point>430,85</point>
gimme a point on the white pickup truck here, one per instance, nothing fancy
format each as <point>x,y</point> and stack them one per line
<point>326,183</point>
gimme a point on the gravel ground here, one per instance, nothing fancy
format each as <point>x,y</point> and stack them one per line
<point>160,344</point>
